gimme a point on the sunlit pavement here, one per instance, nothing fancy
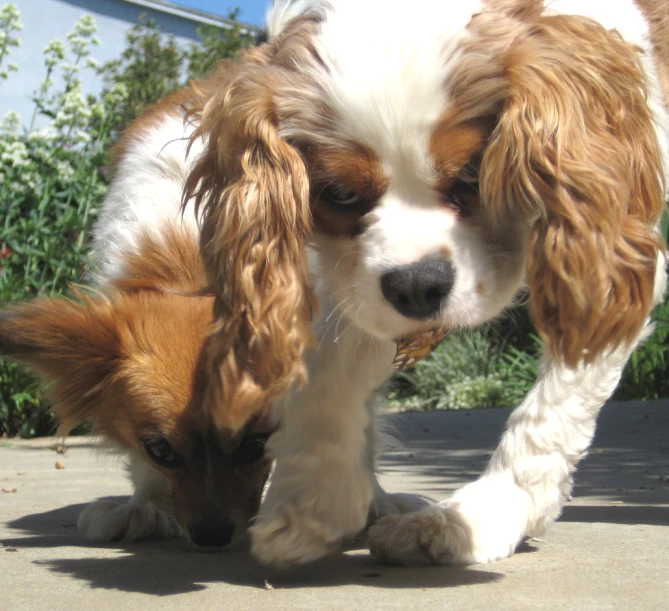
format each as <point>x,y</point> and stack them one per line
<point>610,549</point>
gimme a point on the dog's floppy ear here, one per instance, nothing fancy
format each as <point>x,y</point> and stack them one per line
<point>575,149</point>
<point>74,346</point>
<point>252,192</point>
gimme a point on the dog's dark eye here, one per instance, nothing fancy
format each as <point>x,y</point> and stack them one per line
<point>461,197</point>
<point>339,195</point>
<point>251,449</point>
<point>162,453</point>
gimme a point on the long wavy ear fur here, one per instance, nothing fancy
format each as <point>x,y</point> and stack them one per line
<point>575,148</point>
<point>252,192</point>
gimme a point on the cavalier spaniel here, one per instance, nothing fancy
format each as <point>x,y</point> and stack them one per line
<point>376,175</point>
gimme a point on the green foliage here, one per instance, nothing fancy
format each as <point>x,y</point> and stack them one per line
<point>217,44</point>
<point>478,368</point>
<point>646,375</point>
<point>150,67</point>
<point>53,179</point>
<point>10,26</point>
<point>153,65</point>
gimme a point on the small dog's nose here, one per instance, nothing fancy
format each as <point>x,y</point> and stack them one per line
<point>418,290</point>
<point>211,534</point>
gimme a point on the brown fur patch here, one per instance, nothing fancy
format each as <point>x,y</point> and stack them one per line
<point>454,144</point>
<point>446,252</point>
<point>94,351</point>
<point>353,167</point>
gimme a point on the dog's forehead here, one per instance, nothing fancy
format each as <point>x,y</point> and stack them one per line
<point>386,71</point>
<point>203,438</point>
<point>377,77</point>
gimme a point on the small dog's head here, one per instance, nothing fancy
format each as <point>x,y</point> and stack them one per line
<point>443,161</point>
<point>130,362</point>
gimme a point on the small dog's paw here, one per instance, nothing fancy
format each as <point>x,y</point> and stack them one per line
<point>386,504</point>
<point>308,515</point>
<point>474,527</point>
<point>110,521</point>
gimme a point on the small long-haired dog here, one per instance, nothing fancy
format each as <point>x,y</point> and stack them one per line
<point>407,170</point>
<point>128,361</point>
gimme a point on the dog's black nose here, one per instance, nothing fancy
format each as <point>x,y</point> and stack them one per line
<point>209,533</point>
<point>418,290</point>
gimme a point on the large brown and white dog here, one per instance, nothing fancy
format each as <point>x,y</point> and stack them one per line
<point>408,169</point>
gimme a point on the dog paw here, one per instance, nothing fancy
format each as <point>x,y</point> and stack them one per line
<point>289,539</point>
<point>110,521</point>
<point>386,504</point>
<point>469,529</point>
<point>307,516</point>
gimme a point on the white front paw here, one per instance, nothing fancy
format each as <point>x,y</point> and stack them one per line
<point>110,521</point>
<point>482,523</point>
<point>307,514</point>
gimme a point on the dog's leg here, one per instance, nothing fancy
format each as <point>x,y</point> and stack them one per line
<point>526,482</point>
<point>146,516</point>
<point>529,475</point>
<point>323,483</point>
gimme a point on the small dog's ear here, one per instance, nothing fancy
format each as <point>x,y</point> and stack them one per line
<point>576,150</point>
<point>75,347</point>
<point>252,192</point>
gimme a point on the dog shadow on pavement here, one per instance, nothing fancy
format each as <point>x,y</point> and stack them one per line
<point>175,567</point>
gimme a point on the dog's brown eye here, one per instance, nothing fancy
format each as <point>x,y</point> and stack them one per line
<point>162,453</point>
<point>251,449</point>
<point>339,195</point>
<point>461,197</point>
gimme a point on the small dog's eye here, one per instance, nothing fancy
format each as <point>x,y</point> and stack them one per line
<point>251,449</point>
<point>339,195</point>
<point>162,453</point>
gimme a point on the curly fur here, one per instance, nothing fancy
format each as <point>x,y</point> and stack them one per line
<point>252,191</point>
<point>577,147</point>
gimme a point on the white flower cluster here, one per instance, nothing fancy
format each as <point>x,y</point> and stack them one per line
<point>35,162</point>
<point>15,154</point>
<point>72,112</point>
<point>11,123</point>
<point>10,24</point>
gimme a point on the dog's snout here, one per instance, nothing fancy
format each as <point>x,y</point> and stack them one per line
<point>212,533</point>
<point>418,290</point>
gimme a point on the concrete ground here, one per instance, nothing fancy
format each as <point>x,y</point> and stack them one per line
<point>610,550</point>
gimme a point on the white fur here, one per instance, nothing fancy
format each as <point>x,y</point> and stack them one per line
<point>145,194</point>
<point>386,89</point>
<point>147,515</point>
